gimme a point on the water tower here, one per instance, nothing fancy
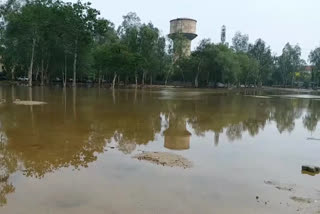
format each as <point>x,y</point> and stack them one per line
<point>183,31</point>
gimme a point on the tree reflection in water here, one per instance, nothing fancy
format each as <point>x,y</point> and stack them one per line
<point>76,126</point>
<point>8,165</point>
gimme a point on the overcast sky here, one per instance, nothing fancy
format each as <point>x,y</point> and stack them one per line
<point>275,21</point>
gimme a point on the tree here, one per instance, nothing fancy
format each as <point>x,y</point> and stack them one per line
<point>148,39</point>
<point>128,33</point>
<point>205,58</point>
<point>289,63</point>
<point>104,35</point>
<point>314,58</point>
<point>227,65</point>
<point>52,40</point>
<point>118,59</point>
<point>262,54</point>
<point>81,22</point>
<point>214,62</point>
<point>25,27</point>
<point>248,69</point>
<point>240,42</point>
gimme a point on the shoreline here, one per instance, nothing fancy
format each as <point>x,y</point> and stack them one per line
<point>158,86</point>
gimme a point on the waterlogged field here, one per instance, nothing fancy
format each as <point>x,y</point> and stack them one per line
<point>93,151</point>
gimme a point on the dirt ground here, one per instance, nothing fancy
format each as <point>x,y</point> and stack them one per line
<point>165,159</point>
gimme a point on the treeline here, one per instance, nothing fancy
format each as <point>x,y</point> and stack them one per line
<point>51,40</point>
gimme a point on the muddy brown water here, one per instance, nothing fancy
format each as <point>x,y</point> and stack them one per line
<point>74,154</point>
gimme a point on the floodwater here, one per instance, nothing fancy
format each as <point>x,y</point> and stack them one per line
<point>74,154</point>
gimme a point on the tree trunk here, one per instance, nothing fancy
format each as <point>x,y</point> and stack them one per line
<point>166,80</point>
<point>114,80</point>
<point>47,77</point>
<point>12,72</point>
<point>143,76</point>
<point>74,84</point>
<point>151,79</point>
<point>42,71</point>
<point>196,82</point>
<point>37,73</point>
<point>46,72</point>
<point>126,80</point>
<point>136,76</point>
<point>99,79</point>
<point>64,78</point>
<point>182,76</point>
<point>31,63</point>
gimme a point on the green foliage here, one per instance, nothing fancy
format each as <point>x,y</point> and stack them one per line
<point>262,53</point>
<point>240,42</point>
<point>314,58</point>
<point>51,39</point>
<point>288,64</point>
<point>248,69</point>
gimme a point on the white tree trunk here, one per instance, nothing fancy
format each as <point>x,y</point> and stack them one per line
<point>143,77</point>
<point>12,72</point>
<point>74,84</point>
<point>114,80</point>
<point>196,82</point>
<point>136,76</point>
<point>42,71</point>
<point>31,63</point>
<point>99,80</point>
<point>65,71</point>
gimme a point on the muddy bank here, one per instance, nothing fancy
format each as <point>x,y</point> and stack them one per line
<point>165,159</point>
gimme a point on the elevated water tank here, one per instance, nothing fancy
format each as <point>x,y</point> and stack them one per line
<point>186,29</point>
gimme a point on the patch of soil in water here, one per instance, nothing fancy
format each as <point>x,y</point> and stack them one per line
<point>165,159</point>
<point>284,187</point>
<point>302,200</point>
<point>28,103</point>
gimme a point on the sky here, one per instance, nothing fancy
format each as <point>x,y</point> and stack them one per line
<point>275,21</point>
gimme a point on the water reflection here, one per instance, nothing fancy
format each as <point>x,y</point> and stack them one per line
<point>8,165</point>
<point>77,124</point>
<point>177,137</point>
<point>311,119</point>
